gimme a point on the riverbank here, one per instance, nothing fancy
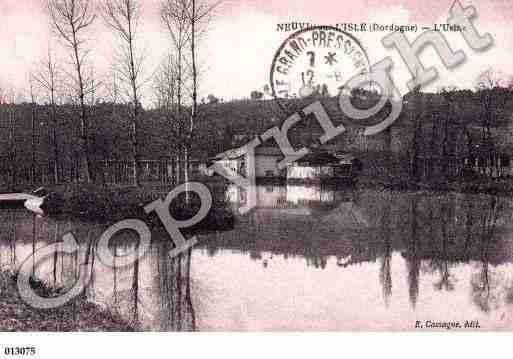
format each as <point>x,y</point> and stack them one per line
<point>482,185</point>
<point>115,203</point>
<point>497,187</point>
<point>16,315</point>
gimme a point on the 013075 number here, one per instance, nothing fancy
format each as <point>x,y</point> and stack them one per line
<point>20,351</point>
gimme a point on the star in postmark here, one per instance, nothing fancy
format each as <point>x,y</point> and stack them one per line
<point>330,58</point>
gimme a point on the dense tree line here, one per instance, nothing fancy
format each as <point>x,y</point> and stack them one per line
<point>443,125</point>
<point>87,120</point>
<point>74,123</point>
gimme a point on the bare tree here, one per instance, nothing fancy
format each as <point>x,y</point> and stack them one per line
<point>47,77</point>
<point>448,93</point>
<point>123,17</point>
<point>165,85</point>
<point>492,97</point>
<point>166,88</point>
<point>486,82</point>
<point>10,99</point>
<point>194,20</point>
<point>199,15</point>
<point>416,99</point>
<point>3,113</point>
<point>174,15</point>
<point>71,19</point>
<point>185,21</point>
<point>33,119</point>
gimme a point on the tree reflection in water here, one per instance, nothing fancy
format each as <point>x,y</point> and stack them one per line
<point>486,288</point>
<point>175,286</point>
<point>152,293</point>
<point>385,276</point>
<point>413,261</point>
<point>155,292</point>
<point>441,262</point>
<point>439,243</point>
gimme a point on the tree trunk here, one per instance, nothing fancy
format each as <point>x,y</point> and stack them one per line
<point>54,140</point>
<point>83,110</point>
<point>33,144</point>
<point>194,107</point>
<point>135,98</point>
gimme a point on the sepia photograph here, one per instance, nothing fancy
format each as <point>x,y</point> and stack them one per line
<point>255,166</point>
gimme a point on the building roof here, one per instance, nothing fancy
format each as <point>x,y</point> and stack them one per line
<point>344,157</point>
<point>318,158</point>
<point>315,157</point>
<point>235,153</point>
<point>327,158</point>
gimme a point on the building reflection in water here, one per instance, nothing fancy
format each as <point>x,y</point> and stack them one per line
<point>299,199</point>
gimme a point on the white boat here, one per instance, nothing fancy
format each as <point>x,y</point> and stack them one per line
<point>34,205</point>
<point>36,200</point>
<point>15,198</point>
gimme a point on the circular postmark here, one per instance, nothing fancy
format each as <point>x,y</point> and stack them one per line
<point>317,60</point>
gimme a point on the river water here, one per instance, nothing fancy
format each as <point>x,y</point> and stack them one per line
<point>307,258</point>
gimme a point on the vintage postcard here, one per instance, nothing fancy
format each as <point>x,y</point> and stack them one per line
<point>255,165</point>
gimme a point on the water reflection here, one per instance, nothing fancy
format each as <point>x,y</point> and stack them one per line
<point>295,199</point>
<point>154,293</point>
<point>315,257</point>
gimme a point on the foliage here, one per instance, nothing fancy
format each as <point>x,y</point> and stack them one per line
<point>81,315</point>
<point>118,203</point>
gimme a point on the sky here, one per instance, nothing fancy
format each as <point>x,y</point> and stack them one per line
<point>237,51</point>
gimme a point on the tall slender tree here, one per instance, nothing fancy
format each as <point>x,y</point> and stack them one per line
<point>71,20</point>
<point>48,78</point>
<point>33,120</point>
<point>123,16</point>
<point>10,100</point>
<point>174,15</point>
<point>185,21</point>
<point>417,138</point>
<point>490,86</point>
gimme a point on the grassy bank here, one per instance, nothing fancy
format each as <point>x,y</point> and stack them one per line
<point>482,185</point>
<point>114,203</point>
<point>499,186</point>
<point>16,315</point>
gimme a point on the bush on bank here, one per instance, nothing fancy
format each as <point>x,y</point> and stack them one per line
<point>80,315</point>
<point>102,203</point>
